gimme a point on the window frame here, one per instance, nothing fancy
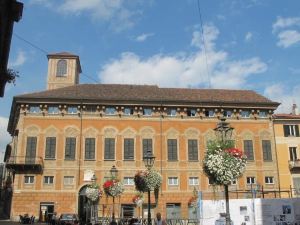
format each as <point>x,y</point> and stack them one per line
<point>250,179</point>
<point>29,179</point>
<point>250,156</point>
<point>193,150</point>
<point>70,147</point>
<point>90,148</point>
<point>193,181</point>
<point>128,111</point>
<point>128,149</point>
<point>172,149</point>
<point>245,113</point>
<point>128,181</point>
<point>110,153</point>
<point>34,109</point>
<point>72,110</point>
<point>68,178</point>
<point>269,180</point>
<point>267,150</point>
<point>293,156</point>
<point>173,181</point>
<point>291,130</point>
<point>172,112</point>
<point>61,68</point>
<point>50,146</point>
<point>53,110</point>
<point>147,111</point>
<point>110,111</point>
<point>48,180</point>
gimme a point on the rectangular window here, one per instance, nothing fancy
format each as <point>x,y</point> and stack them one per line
<point>128,149</point>
<point>248,149</point>
<point>211,113</point>
<point>147,145</point>
<point>53,110</point>
<point>72,110</point>
<point>267,152</point>
<point>227,113</point>
<point>50,147</point>
<point>128,111</point>
<point>147,111</point>
<point>128,181</point>
<point>291,130</point>
<point>293,153</point>
<point>48,179</point>
<point>34,109</point>
<point>269,180</point>
<point>172,180</point>
<point>68,180</point>
<point>191,112</point>
<point>70,148</point>
<point>110,111</point>
<point>89,148</point>
<point>263,114</point>
<point>172,150</point>
<point>296,185</point>
<point>250,180</point>
<point>28,179</point>
<point>109,149</point>
<point>171,112</point>
<point>193,181</point>
<point>193,149</point>
<point>245,114</point>
<point>90,109</point>
<point>30,150</point>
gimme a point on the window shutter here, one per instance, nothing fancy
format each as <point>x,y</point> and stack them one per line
<point>267,154</point>
<point>70,148</point>
<point>50,147</point>
<point>172,149</point>
<point>109,151</point>
<point>286,130</point>
<point>193,149</point>
<point>128,148</point>
<point>90,148</point>
<point>297,130</point>
<point>30,149</point>
<point>248,149</point>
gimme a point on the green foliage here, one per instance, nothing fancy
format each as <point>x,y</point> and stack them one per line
<point>11,76</point>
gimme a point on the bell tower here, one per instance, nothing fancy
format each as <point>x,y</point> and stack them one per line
<point>63,70</point>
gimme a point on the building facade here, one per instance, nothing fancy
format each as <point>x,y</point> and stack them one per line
<point>286,130</point>
<point>64,135</point>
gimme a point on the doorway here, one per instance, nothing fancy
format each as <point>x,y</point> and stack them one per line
<point>84,208</point>
<point>46,211</point>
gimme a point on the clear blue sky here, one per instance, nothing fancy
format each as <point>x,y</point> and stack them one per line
<point>249,44</point>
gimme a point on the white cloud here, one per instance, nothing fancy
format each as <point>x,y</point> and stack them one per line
<point>202,68</point>
<point>143,37</point>
<point>288,38</point>
<point>248,36</point>
<point>4,136</point>
<point>19,60</point>
<point>282,23</point>
<point>287,96</point>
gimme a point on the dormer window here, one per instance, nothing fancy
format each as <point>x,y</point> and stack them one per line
<point>61,69</point>
<point>110,111</point>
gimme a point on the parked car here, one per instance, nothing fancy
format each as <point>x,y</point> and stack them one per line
<point>68,219</point>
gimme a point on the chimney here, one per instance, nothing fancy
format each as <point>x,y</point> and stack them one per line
<point>295,110</point>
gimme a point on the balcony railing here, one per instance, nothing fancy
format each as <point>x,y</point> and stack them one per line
<point>23,164</point>
<point>294,164</point>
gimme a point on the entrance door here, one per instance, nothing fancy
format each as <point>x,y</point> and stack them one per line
<point>46,211</point>
<point>84,208</point>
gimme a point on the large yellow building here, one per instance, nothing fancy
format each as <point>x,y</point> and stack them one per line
<point>286,131</point>
<point>64,135</point>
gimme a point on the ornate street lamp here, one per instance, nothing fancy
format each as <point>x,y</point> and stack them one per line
<point>149,159</point>
<point>114,174</point>
<point>224,132</point>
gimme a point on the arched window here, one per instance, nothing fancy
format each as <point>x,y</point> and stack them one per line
<point>61,69</point>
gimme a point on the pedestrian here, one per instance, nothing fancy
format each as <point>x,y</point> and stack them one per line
<point>159,220</point>
<point>53,218</point>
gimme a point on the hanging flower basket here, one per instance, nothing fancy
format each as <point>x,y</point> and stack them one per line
<point>147,180</point>
<point>223,164</point>
<point>93,192</point>
<point>113,187</point>
<point>138,199</point>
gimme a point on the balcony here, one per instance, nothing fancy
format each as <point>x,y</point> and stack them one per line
<point>23,164</point>
<point>294,165</point>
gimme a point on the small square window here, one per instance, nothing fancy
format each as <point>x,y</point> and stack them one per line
<point>128,181</point>
<point>34,109</point>
<point>245,114</point>
<point>269,180</point>
<point>173,181</point>
<point>48,179</point>
<point>171,112</point>
<point>128,111</point>
<point>251,180</point>
<point>29,179</point>
<point>193,181</point>
<point>72,110</point>
<point>53,110</point>
<point>147,111</point>
<point>68,180</point>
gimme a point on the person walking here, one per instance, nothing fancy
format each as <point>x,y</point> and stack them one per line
<point>159,220</point>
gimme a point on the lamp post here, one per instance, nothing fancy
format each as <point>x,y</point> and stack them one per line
<point>223,132</point>
<point>149,159</point>
<point>114,174</point>
<point>94,209</point>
